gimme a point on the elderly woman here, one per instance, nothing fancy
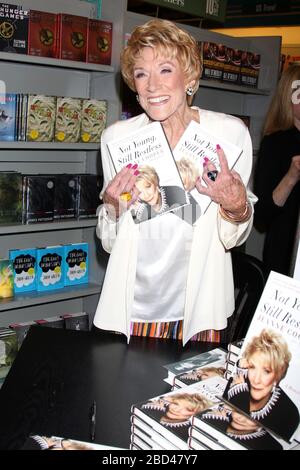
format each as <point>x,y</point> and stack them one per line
<point>166,277</point>
<point>255,388</point>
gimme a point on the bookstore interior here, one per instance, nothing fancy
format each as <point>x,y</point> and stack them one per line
<point>60,87</point>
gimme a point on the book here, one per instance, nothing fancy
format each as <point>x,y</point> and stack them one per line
<point>186,365</point>
<point>76,321</point>
<point>8,351</point>
<point>21,330</point>
<point>151,434</point>
<point>10,197</point>
<point>8,106</point>
<point>232,65</point>
<point>250,67</point>
<point>199,438</point>
<point>38,198</point>
<point>50,273</point>
<point>217,368</point>
<point>76,264</point>
<point>213,60</point>
<point>24,269</point>
<point>235,346</point>
<point>159,182</point>
<point>265,383</point>
<point>65,196</point>
<point>99,47</point>
<point>68,119</point>
<point>170,414</point>
<point>41,110</point>
<point>42,33</point>
<point>93,119</point>
<point>72,37</point>
<point>13,28</point>
<point>196,144</point>
<point>51,322</point>
<point>6,279</point>
<point>225,426</point>
<point>89,187</point>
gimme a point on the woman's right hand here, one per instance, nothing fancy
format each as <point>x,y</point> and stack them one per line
<point>294,170</point>
<point>123,182</point>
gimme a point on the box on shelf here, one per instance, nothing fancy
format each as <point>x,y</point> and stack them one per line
<point>24,269</point>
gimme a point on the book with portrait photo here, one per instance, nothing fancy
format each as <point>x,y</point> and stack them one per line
<point>189,363</point>
<point>197,374</point>
<point>170,414</point>
<point>194,146</point>
<point>265,383</point>
<point>159,182</point>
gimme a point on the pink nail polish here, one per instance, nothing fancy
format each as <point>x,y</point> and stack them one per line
<point>206,159</point>
<point>136,173</point>
<point>135,166</point>
<point>218,147</point>
<point>129,165</point>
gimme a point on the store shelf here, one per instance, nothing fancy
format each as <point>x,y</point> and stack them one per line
<point>49,62</point>
<point>19,145</point>
<point>48,226</point>
<point>235,88</point>
<point>38,298</point>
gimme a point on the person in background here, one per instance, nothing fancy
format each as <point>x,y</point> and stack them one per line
<point>255,387</point>
<point>277,174</point>
<point>165,277</point>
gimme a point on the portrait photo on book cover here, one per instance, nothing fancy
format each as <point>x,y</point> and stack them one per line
<point>155,199</point>
<point>261,385</point>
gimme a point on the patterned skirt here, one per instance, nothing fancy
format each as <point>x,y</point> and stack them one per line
<point>173,330</point>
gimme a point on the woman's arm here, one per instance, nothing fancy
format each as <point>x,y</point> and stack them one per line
<point>288,182</point>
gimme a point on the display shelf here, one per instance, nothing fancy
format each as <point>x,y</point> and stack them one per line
<point>48,226</point>
<point>19,145</point>
<point>234,88</point>
<point>50,62</point>
<point>38,298</point>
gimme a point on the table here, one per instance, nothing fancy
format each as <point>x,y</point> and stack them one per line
<point>58,373</point>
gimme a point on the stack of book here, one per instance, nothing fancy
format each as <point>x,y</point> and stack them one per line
<point>234,351</point>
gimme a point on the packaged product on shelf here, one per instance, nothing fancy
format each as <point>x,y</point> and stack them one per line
<point>76,264</point>
<point>8,107</point>
<point>99,47</point>
<point>93,119</point>
<point>232,66</point>
<point>50,268</point>
<point>10,197</point>
<point>65,196</point>
<point>6,278</point>
<point>72,37</point>
<point>250,67</point>
<point>24,269</point>
<point>213,60</point>
<point>41,111</point>
<point>38,198</point>
<point>42,33</point>
<point>89,190</point>
<point>68,119</point>
<point>14,28</point>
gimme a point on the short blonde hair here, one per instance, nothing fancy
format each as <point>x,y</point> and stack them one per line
<point>188,170</point>
<point>167,39</point>
<point>195,401</point>
<point>280,116</point>
<point>149,174</point>
<point>273,345</point>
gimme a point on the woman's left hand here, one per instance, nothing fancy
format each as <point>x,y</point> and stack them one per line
<point>228,189</point>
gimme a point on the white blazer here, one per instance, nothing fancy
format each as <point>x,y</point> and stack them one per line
<point>210,291</point>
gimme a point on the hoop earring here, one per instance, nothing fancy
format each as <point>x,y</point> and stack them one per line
<point>189,91</point>
<point>137,98</point>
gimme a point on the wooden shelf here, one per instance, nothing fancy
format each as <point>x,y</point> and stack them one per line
<point>48,226</point>
<point>37,298</point>
<point>49,62</point>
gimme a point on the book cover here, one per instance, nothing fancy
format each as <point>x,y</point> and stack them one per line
<point>68,119</point>
<point>8,351</point>
<point>41,110</point>
<point>21,330</point>
<point>93,119</point>
<point>159,182</point>
<point>213,60</point>
<point>89,187</point>
<point>38,198</point>
<point>8,103</point>
<point>24,269</point>
<point>199,360</point>
<point>10,197</point>
<point>217,368</point>
<point>225,425</point>
<point>266,381</point>
<point>49,262</point>
<point>99,48</point>
<point>232,65</point>
<point>65,196</point>
<point>170,414</point>
<point>76,321</point>
<point>6,279</point>
<point>72,38</point>
<point>76,264</point>
<point>42,33</point>
<point>250,67</point>
<point>13,28</point>
<point>196,144</point>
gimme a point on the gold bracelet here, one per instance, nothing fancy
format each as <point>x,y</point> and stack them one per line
<point>236,219</point>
